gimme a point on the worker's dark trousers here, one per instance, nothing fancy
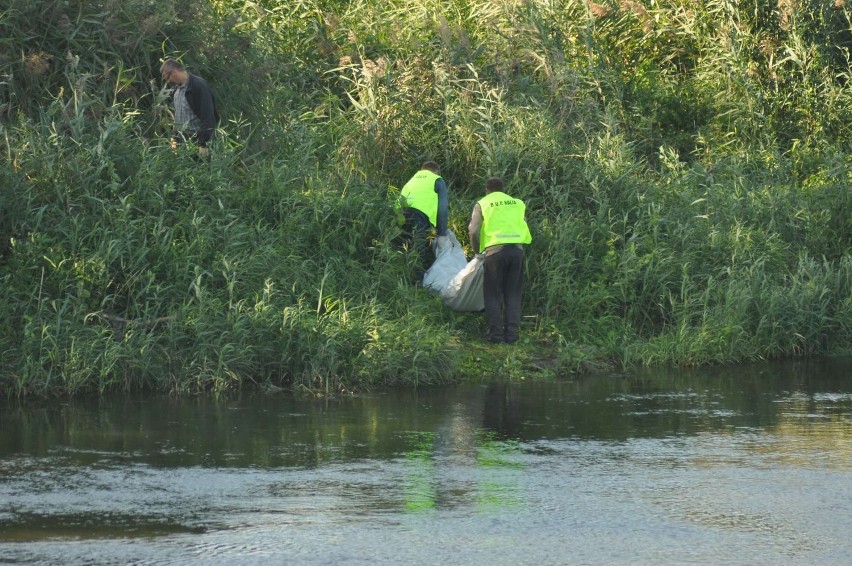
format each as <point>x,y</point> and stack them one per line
<point>416,233</point>
<point>503,287</point>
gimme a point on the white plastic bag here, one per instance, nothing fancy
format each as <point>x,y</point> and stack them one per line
<point>464,291</point>
<point>449,260</point>
<point>457,281</point>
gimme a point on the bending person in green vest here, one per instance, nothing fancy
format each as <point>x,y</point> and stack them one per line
<point>424,207</point>
<point>497,229</point>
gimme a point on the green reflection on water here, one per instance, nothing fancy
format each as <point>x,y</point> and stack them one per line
<point>421,488</point>
<point>420,491</point>
<point>501,490</point>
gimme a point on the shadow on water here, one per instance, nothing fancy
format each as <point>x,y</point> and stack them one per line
<point>279,430</point>
<point>711,454</point>
<point>663,402</point>
<point>29,527</point>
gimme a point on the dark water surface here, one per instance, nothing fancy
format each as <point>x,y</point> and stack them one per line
<point>746,465</point>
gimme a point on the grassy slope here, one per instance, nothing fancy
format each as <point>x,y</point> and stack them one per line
<point>686,168</point>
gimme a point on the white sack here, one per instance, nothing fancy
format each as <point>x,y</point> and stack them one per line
<point>449,260</point>
<point>457,282</point>
<point>464,291</point>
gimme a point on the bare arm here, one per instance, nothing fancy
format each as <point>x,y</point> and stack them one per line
<point>474,227</point>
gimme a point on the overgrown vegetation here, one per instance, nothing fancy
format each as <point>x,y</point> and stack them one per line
<point>685,164</point>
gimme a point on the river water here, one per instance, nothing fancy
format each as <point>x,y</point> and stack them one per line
<point>745,465</point>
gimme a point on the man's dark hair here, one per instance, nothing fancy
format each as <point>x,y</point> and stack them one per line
<point>494,184</point>
<point>431,166</point>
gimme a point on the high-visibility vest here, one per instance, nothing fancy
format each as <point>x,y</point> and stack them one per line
<point>502,221</point>
<point>419,192</point>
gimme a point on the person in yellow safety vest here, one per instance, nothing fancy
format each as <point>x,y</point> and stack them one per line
<point>424,207</point>
<point>498,229</point>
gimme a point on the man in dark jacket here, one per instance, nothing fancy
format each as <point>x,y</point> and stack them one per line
<point>195,110</point>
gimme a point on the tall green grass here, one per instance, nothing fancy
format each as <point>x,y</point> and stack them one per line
<point>686,169</point>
